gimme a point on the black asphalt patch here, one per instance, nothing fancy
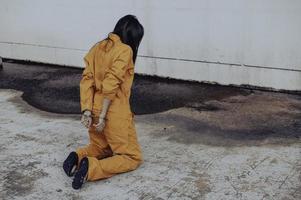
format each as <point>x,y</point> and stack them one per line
<point>211,114</point>
<point>56,89</point>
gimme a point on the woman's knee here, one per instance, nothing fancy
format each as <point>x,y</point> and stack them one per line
<point>137,160</point>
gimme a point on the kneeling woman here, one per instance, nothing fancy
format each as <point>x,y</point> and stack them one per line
<point>105,90</point>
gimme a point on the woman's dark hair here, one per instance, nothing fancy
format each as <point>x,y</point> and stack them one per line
<point>130,32</point>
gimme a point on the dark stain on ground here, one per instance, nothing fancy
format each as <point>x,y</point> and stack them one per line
<point>190,131</point>
<point>204,107</point>
<point>20,179</point>
<point>56,89</point>
<point>23,107</point>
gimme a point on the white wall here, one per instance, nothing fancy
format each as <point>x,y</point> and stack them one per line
<point>252,42</point>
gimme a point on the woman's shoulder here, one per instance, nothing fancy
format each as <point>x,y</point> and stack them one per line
<point>113,49</point>
<point>98,44</point>
<point>122,48</point>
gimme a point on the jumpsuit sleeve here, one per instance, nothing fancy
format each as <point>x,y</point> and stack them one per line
<point>115,74</point>
<point>87,82</point>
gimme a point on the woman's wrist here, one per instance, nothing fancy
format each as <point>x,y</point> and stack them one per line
<point>105,106</point>
<point>87,113</point>
<point>102,115</point>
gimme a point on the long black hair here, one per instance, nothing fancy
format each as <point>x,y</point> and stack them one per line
<point>130,32</point>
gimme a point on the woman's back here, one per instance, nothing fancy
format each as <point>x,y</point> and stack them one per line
<point>110,64</point>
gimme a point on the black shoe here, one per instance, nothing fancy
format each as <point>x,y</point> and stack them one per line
<point>81,175</point>
<point>70,164</point>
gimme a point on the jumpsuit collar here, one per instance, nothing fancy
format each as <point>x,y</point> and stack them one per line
<point>112,39</point>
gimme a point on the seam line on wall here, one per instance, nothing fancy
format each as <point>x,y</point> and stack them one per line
<point>43,45</point>
<point>164,58</point>
<point>221,63</point>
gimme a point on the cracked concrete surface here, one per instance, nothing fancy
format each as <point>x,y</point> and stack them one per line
<point>199,141</point>
<point>190,152</point>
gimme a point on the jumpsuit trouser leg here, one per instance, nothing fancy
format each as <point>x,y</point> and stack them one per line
<point>98,146</point>
<point>120,135</point>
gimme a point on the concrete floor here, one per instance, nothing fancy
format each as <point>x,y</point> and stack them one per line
<point>228,143</point>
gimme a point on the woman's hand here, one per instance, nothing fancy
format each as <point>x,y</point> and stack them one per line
<point>100,125</point>
<point>86,119</point>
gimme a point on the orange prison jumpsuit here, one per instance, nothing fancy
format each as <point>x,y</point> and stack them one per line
<point>109,73</point>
